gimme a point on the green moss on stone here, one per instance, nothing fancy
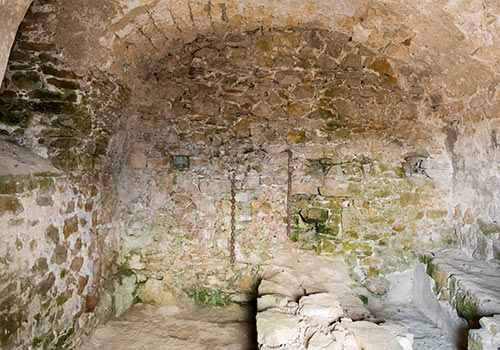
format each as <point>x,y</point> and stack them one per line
<point>47,95</point>
<point>314,215</point>
<point>122,272</point>
<point>430,266</point>
<point>62,299</point>
<point>364,299</point>
<point>26,80</point>
<point>46,58</point>
<point>53,107</point>
<point>14,118</point>
<point>436,214</point>
<point>350,234</point>
<point>488,228</point>
<point>9,324</point>
<point>409,198</point>
<point>63,337</point>
<point>7,184</point>
<point>297,137</point>
<point>65,160</point>
<point>209,296</point>
<point>472,344</point>
<point>327,229</point>
<point>466,308</point>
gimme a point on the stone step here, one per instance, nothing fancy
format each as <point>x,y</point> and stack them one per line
<point>471,287</point>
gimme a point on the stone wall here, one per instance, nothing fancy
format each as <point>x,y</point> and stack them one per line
<point>473,146</point>
<point>56,278</point>
<point>50,263</point>
<point>386,133</point>
<point>236,104</point>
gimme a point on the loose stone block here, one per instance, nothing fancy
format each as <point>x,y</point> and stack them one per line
<point>276,329</point>
<point>323,308</point>
<point>371,336</point>
<point>269,301</point>
<point>487,337</point>
<point>321,341</point>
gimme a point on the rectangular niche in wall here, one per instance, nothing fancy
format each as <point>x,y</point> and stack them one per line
<point>180,162</point>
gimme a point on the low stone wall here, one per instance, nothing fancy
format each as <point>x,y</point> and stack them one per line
<point>457,292</point>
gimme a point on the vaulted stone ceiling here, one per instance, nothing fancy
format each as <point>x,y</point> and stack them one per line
<point>453,45</point>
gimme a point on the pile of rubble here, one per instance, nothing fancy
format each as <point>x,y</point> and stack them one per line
<point>308,302</point>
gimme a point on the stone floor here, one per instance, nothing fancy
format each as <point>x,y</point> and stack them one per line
<point>147,327</point>
<point>426,334</point>
<point>398,307</point>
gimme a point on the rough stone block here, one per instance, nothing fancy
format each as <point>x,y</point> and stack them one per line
<point>276,329</point>
<point>137,159</point>
<point>10,204</point>
<point>323,308</point>
<point>70,226</point>
<point>321,341</point>
<point>487,337</point>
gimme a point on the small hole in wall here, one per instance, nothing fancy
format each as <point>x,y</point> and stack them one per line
<point>180,162</point>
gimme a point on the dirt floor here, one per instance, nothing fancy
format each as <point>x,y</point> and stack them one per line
<point>147,327</point>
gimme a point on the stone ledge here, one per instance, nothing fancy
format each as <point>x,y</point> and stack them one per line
<point>471,286</point>
<point>18,160</point>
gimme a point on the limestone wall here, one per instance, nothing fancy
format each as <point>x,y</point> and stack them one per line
<point>236,104</point>
<point>473,146</point>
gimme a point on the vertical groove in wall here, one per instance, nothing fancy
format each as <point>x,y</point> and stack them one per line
<point>233,213</point>
<point>289,194</point>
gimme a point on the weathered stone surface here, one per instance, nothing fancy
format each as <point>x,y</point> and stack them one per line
<point>371,336</point>
<point>204,105</point>
<point>268,301</point>
<point>321,341</point>
<point>468,286</point>
<point>13,13</point>
<point>276,329</point>
<point>350,107</point>
<point>190,328</point>
<point>137,159</point>
<point>323,307</point>
<point>70,226</point>
<point>488,336</point>
<point>157,292</point>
